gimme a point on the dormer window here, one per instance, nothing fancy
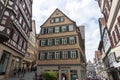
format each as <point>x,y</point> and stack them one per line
<point>57,19</point>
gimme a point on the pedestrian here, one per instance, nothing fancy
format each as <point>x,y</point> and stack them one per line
<point>23,71</point>
<point>19,71</point>
<point>15,71</point>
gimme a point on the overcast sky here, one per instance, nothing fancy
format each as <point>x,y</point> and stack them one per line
<point>83,12</point>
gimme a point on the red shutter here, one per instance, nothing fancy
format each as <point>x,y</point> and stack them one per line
<point>111,41</point>
<point>114,37</point>
<point>116,29</point>
<point>119,19</point>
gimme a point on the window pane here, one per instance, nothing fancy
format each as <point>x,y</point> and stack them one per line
<point>57,41</point>
<point>65,55</point>
<point>57,19</point>
<point>72,40</point>
<point>64,28</point>
<point>70,27</point>
<point>57,29</point>
<point>42,55</point>
<point>50,41</point>
<point>4,62</point>
<point>50,30</point>
<point>43,42</point>
<point>61,19</point>
<point>73,54</point>
<point>64,40</point>
<point>57,55</point>
<point>50,55</point>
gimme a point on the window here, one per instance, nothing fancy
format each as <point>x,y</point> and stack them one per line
<point>57,19</point>
<point>50,30</point>
<point>52,20</point>
<point>57,55</point>
<point>65,55</point>
<point>20,41</point>
<point>50,42</point>
<point>57,41</point>
<point>72,40</point>
<point>64,40</point>
<point>44,31</point>
<point>70,27</point>
<point>61,19</point>
<point>43,42</point>
<point>64,28</point>
<point>42,55</point>
<point>57,29</point>
<point>50,55</point>
<point>73,54</point>
<point>4,62</point>
<point>15,36</point>
<point>4,20</point>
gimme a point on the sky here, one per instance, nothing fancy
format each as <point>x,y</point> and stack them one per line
<point>83,12</point>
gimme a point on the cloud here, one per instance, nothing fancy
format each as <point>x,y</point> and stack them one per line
<point>83,12</point>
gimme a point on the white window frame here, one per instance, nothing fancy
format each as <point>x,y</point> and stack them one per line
<point>57,55</point>
<point>64,40</point>
<point>71,27</point>
<point>50,55</point>
<point>64,28</point>
<point>72,40</point>
<point>42,56</point>
<point>57,29</point>
<point>57,19</point>
<point>57,41</point>
<point>64,54</point>
<point>73,54</point>
<point>50,42</point>
<point>50,30</point>
<point>43,42</point>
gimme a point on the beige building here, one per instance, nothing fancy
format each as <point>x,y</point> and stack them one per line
<point>30,56</point>
<point>61,48</point>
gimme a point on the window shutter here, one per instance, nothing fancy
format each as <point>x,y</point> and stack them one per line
<point>40,43</point>
<point>60,29</point>
<point>111,41</point>
<point>67,28</point>
<point>53,29</point>
<point>119,19</point>
<point>53,55</point>
<point>60,40</point>
<point>38,56</point>
<point>46,42</point>
<point>53,40</point>
<point>114,37</point>
<point>60,54</point>
<point>69,54</point>
<point>45,55</point>
<point>75,39</point>
<point>68,41</point>
<point>76,53</point>
<point>116,29</point>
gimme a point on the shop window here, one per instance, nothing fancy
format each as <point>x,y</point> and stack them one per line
<point>4,62</point>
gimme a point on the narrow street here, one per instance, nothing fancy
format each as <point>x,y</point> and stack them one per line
<point>28,76</point>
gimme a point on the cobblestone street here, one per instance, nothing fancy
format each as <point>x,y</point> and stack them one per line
<point>27,76</point>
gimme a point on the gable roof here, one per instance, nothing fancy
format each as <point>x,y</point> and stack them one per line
<point>61,13</point>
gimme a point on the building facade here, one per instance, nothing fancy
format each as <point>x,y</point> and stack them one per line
<point>15,27</point>
<point>111,12</point>
<point>61,48</point>
<point>30,56</point>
